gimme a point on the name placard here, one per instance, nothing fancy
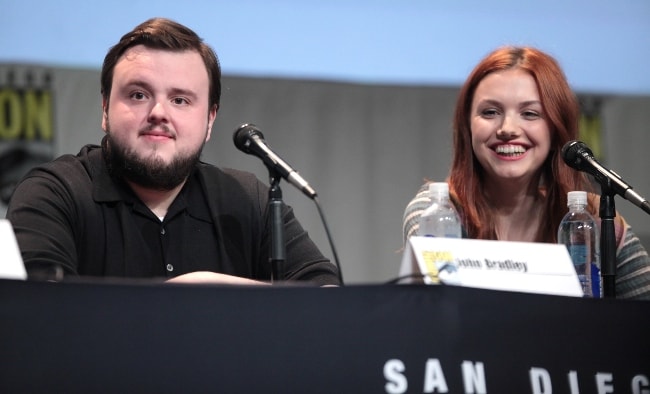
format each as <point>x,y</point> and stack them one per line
<point>11,261</point>
<point>531,267</point>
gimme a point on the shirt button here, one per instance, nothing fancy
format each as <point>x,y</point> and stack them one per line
<point>162,231</point>
<point>170,267</point>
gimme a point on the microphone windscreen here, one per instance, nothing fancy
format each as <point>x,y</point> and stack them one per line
<point>243,134</point>
<point>573,152</point>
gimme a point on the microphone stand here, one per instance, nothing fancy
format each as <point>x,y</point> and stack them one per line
<point>607,239</point>
<point>278,248</point>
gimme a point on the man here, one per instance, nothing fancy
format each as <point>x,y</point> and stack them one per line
<point>143,204</point>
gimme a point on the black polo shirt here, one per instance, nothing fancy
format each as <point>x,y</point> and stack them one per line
<point>70,213</point>
<point>184,241</point>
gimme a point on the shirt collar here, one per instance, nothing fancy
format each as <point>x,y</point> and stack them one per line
<point>106,189</point>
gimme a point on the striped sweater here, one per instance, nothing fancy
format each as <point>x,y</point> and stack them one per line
<point>632,261</point>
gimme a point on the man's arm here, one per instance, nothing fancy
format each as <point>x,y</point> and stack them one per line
<point>42,214</point>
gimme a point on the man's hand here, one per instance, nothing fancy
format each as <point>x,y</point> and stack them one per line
<point>213,277</point>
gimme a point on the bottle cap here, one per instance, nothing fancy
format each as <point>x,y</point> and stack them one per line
<point>438,189</point>
<point>576,198</point>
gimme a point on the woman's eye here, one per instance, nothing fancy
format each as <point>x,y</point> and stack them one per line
<point>489,112</point>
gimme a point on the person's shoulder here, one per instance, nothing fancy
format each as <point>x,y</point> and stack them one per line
<point>70,164</point>
<point>423,192</point>
<point>419,201</point>
<point>224,179</point>
<point>67,175</point>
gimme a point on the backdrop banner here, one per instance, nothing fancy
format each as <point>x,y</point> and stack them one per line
<point>366,149</point>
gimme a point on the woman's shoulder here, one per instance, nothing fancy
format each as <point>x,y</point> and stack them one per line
<point>421,197</point>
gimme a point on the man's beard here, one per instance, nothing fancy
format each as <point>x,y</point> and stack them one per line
<point>150,172</point>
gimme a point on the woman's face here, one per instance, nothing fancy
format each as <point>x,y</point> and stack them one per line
<point>510,135</point>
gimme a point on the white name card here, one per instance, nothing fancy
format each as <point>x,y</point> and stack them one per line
<point>11,261</point>
<point>499,265</point>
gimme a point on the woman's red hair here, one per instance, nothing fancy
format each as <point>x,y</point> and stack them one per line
<point>561,111</point>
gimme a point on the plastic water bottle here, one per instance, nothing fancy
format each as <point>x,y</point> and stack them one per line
<point>579,232</point>
<point>440,219</point>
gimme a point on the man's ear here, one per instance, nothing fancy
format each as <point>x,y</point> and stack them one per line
<point>212,115</point>
<point>104,114</point>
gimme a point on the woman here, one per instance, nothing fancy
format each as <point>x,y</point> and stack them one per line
<point>508,181</point>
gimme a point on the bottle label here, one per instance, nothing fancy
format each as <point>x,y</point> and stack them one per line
<point>596,290</point>
<point>579,254</point>
<point>446,235</point>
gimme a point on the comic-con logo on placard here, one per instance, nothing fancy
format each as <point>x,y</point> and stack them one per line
<point>26,123</point>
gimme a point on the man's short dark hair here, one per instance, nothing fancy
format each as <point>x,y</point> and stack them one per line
<point>165,34</point>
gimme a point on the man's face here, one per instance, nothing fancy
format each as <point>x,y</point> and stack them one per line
<point>157,116</point>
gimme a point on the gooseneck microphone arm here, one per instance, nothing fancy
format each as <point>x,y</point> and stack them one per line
<point>578,156</point>
<point>249,139</point>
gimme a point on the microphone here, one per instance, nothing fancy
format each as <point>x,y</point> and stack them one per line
<point>577,155</point>
<point>249,139</point>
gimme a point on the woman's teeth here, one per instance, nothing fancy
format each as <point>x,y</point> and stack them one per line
<point>510,150</point>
